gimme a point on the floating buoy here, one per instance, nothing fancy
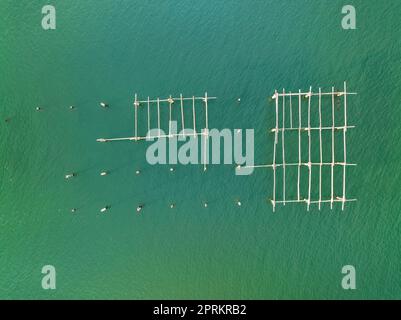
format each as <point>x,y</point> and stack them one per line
<point>239,100</point>
<point>172,206</point>
<point>73,210</point>
<point>171,169</point>
<point>139,208</point>
<point>239,204</point>
<point>104,173</point>
<point>38,109</point>
<point>205,204</point>
<point>137,172</point>
<point>104,104</point>
<point>104,209</point>
<point>71,107</point>
<point>70,175</point>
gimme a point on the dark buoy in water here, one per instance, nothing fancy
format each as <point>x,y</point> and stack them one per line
<point>7,120</point>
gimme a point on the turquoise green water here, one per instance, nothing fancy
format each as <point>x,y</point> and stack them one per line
<point>106,51</point>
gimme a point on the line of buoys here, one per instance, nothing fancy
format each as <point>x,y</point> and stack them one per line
<point>237,202</point>
<point>71,108</point>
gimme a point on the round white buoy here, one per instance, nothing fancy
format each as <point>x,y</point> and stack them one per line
<point>171,169</point>
<point>172,206</point>
<point>139,208</point>
<point>71,107</point>
<point>38,109</point>
<point>104,173</point>
<point>104,104</point>
<point>239,203</point>
<point>205,204</point>
<point>73,210</point>
<point>137,172</point>
<point>239,100</point>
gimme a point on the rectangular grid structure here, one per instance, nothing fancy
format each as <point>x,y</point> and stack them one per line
<point>149,104</point>
<point>191,103</point>
<point>159,103</point>
<point>281,132</point>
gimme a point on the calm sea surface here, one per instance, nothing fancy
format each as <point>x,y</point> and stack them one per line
<point>108,50</point>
